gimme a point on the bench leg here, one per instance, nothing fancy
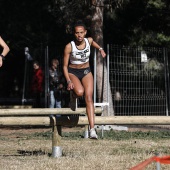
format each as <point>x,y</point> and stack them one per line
<point>86,132</point>
<point>56,140</point>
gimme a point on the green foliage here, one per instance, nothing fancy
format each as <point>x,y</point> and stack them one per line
<point>153,68</point>
<point>138,23</point>
<point>156,4</point>
<point>28,24</point>
<point>47,22</point>
<point>162,38</point>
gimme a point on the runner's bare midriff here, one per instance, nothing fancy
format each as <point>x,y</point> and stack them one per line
<point>79,66</point>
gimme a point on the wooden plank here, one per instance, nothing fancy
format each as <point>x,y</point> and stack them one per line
<point>83,120</point>
<point>45,111</point>
<point>15,106</point>
<point>131,120</point>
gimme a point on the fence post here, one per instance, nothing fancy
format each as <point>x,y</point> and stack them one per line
<point>46,78</point>
<point>166,71</point>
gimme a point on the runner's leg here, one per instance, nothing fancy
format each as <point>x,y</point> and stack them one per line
<point>87,82</point>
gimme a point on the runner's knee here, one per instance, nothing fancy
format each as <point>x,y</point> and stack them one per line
<point>80,93</point>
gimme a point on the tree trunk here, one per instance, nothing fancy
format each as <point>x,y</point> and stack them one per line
<point>97,32</point>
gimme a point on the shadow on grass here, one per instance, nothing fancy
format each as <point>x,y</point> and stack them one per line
<point>29,153</point>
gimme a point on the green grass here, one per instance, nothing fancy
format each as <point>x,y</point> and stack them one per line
<point>110,135</point>
<point>123,135</point>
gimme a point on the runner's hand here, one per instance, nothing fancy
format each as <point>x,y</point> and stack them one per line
<point>70,86</point>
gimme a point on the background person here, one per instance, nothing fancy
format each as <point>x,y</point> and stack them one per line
<point>56,84</point>
<point>4,51</point>
<point>37,84</point>
<point>77,71</point>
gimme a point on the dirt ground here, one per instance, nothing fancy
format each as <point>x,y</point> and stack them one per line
<point>11,131</point>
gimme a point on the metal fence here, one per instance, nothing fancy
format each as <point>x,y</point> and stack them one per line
<point>139,80</point>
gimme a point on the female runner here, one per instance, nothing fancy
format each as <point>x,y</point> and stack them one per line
<point>77,72</point>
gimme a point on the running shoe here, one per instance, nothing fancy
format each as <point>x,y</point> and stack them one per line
<point>93,134</point>
<point>73,102</point>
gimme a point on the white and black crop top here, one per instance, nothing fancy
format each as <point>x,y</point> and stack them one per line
<point>80,56</point>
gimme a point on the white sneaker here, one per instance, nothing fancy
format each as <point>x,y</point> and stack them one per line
<point>73,102</point>
<point>93,134</point>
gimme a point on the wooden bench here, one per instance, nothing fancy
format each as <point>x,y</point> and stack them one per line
<point>46,117</point>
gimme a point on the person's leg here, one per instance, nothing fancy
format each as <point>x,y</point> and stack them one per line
<point>38,100</point>
<point>58,104</point>
<point>34,99</point>
<point>78,88</point>
<point>52,99</point>
<point>78,91</point>
<point>87,82</point>
<point>57,96</point>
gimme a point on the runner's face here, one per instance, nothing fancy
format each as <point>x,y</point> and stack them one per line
<point>80,33</point>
